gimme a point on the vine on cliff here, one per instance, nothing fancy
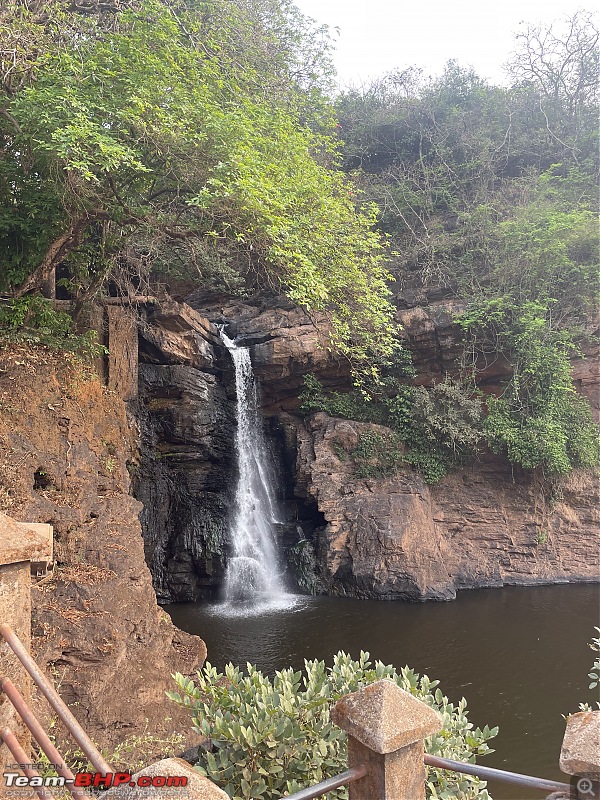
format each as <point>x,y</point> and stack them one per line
<point>433,429</point>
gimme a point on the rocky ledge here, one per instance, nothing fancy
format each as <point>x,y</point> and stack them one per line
<point>397,537</point>
<point>66,452</point>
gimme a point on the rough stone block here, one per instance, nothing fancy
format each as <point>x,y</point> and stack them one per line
<point>384,717</point>
<point>123,351</point>
<point>24,541</point>
<point>580,753</point>
<point>15,610</point>
<point>198,787</point>
<point>20,544</point>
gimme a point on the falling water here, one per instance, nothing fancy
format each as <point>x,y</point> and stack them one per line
<point>253,579</point>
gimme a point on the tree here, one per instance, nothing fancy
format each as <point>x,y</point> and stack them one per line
<point>490,195</point>
<point>190,135</point>
<point>559,60</point>
<point>557,67</point>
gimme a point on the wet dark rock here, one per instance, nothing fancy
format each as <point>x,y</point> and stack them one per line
<point>186,418</point>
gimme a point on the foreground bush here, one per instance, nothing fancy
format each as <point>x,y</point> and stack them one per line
<point>274,736</point>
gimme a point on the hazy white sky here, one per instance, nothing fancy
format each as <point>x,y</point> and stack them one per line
<point>380,35</point>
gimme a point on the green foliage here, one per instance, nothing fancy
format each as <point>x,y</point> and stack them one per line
<point>193,142</point>
<point>431,429</point>
<point>595,673</point>
<point>275,736</point>
<point>540,420</point>
<point>595,646</point>
<point>377,455</point>
<point>491,194</point>
<point>33,319</point>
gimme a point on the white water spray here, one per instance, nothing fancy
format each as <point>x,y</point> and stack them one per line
<point>253,578</point>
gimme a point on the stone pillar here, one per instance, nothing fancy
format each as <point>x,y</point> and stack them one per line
<point>580,753</point>
<point>386,727</point>
<point>123,351</point>
<point>49,286</point>
<point>21,545</point>
<point>90,316</point>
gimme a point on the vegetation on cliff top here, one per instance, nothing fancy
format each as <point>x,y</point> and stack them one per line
<point>162,139</point>
<point>489,195</point>
<point>182,138</point>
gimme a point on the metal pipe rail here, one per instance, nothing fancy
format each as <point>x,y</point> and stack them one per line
<point>319,789</point>
<point>55,700</point>
<point>491,774</point>
<point>40,736</point>
<point>485,773</point>
<point>21,758</point>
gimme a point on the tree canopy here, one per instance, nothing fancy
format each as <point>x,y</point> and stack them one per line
<point>161,139</point>
<point>183,137</point>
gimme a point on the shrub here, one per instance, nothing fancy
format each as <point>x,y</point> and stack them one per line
<point>33,319</point>
<point>540,421</point>
<point>275,736</point>
<point>595,674</point>
<point>431,429</point>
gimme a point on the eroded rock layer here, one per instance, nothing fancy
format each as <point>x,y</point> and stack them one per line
<point>397,537</point>
<point>66,453</point>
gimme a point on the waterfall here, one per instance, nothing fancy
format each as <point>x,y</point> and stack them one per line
<point>253,578</point>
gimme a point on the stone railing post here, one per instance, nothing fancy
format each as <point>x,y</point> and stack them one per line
<point>22,546</point>
<point>580,753</point>
<point>386,727</point>
<point>123,351</point>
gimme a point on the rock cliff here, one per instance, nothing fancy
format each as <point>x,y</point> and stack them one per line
<point>186,415</point>
<point>66,451</point>
<point>485,525</point>
<point>397,537</point>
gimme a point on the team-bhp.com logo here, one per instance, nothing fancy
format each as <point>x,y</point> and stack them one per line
<point>95,780</point>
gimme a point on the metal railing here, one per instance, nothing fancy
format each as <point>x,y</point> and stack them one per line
<point>21,758</point>
<point>55,700</point>
<point>491,774</point>
<point>97,760</point>
<point>485,773</point>
<point>35,727</point>
<point>319,789</point>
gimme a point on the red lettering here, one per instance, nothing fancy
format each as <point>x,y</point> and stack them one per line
<point>121,777</point>
<point>145,780</point>
<point>103,780</point>
<point>83,779</point>
<point>177,780</point>
<point>159,780</point>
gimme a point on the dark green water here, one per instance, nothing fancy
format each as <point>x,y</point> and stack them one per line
<point>519,655</point>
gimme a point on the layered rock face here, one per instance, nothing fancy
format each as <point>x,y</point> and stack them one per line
<point>434,339</point>
<point>66,452</point>
<point>486,525</point>
<point>186,418</point>
<point>286,344</point>
<point>397,537</point>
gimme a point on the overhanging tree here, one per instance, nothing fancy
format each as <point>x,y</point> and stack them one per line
<point>159,136</point>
